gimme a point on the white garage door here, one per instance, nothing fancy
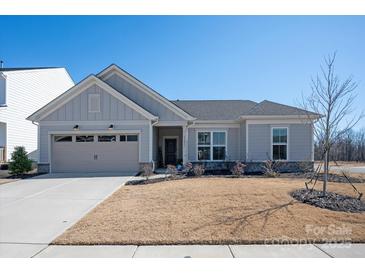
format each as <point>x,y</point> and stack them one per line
<point>95,153</point>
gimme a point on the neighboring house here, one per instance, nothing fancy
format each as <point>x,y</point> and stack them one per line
<point>112,122</point>
<point>23,91</point>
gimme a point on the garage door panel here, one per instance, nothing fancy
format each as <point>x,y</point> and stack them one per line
<point>95,157</point>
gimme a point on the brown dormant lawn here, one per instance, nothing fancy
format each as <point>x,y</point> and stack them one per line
<point>215,211</point>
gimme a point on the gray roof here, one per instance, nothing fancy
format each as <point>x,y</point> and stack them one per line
<point>233,109</point>
<point>271,108</point>
<point>31,68</point>
<point>215,109</point>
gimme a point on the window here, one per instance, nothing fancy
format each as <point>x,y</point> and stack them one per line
<point>204,146</point>
<point>84,139</point>
<point>128,138</point>
<point>132,138</point>
<point>279,143</point>
<point>59,139</point>
<point>212,146</point>
<point>94,103</point>
<point>107,138</point>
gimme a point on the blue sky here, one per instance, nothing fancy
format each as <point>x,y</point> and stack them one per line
<point>206,57</point>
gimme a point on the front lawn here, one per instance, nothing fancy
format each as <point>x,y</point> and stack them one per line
<point>215,211</point>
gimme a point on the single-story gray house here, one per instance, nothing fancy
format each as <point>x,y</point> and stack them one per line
<point>112,122</point>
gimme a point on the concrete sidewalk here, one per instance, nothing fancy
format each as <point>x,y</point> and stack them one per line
<point>195,251</point>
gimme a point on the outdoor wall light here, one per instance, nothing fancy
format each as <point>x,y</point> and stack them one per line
<point>76,127</point>
<point>111,127</point>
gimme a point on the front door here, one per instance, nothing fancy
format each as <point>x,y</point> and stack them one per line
<point>170,151</point>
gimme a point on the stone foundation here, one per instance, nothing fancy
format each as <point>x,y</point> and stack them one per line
<point>43,168</point>
<point>141,165</point>
<point>258,167</point>
<point>281,167</point>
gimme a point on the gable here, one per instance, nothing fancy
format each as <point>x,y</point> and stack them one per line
<point>84,85</point>
<point>143,95</point>
<point>78,108</point>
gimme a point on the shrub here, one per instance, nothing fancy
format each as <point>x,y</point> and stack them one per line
<point>147,170</point>
<point>188,168</point>
<point>238,169</point>
<point>19,163</point>
<point>270,168</point>
<point>171,170</point>
<point>198,170</point>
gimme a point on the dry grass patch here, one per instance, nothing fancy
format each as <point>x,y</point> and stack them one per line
<point>213,211</point>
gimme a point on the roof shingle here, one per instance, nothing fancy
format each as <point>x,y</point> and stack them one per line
<point>215,109</point>
<point>233,109</point>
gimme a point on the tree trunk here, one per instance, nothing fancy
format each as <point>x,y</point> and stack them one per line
<point>325,175</point>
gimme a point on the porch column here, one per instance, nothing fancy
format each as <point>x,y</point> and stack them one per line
<point>185,144</point>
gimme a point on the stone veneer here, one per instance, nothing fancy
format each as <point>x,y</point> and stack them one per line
<point>251,167</point>
<point>258,167</point>
<point>43,168</point>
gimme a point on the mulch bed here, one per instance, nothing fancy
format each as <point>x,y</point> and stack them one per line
<point>331,200</point>
<point>331,178</point>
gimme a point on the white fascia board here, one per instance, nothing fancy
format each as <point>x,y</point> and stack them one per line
<point>276,121</point>
<point>170,123</point>
<point>281,117</point>
<point>108,72</point>
<point>78,89</point>
<point>216,121</point>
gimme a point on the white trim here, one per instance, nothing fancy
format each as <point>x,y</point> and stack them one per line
<point>91,132</point>
<point>281,117</point>
<point>211,144</point>
<point>217,121</point>
<point>96,123</point>
<point>89,99</point>
<point>171,123</point>
<point>50,146</point>
<point>185,144</point>
<point>215,125</point>
<point>150,143</point>
<point>144,88</point>
<point>163,146</point>
<point>288,121</point>
<point>286,144</point>
<point>78,89</point>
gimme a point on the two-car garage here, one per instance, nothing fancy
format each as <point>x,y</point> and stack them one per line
<point>95,152</point>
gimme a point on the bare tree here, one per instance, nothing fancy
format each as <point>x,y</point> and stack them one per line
<point>333,99</point>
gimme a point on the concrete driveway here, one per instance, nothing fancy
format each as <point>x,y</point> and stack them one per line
<point>35,211</point>
<point>346,168</point>
<point>350,169</point>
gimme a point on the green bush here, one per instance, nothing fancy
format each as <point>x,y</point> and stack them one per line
<point>19,163</point>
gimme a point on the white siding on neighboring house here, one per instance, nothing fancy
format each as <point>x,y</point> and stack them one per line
<point>26,92</point>
<point>2,90</point>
